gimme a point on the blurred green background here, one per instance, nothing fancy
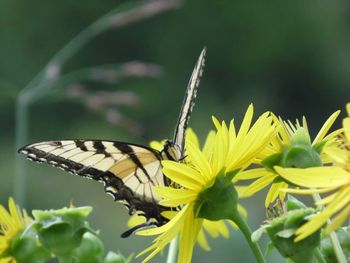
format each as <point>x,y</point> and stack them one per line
<point>292,58</point>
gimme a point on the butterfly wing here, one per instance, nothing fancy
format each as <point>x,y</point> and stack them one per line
<point>187,106</point>
<point>129,171</point>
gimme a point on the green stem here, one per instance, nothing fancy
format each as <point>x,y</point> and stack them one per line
<point>173,249</point>
<point>333,236</point>
<point>20,163</point>
<point>243,226</point>
<point>319,256</point>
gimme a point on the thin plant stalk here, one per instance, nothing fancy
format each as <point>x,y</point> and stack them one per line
<point>173,250</point>
<point>244,228</point>
<point>319,256</point>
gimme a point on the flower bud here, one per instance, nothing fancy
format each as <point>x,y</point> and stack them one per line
<point>116,258</point>
<point>301,154</point>
<point>27,248</point>
<point>61,231</point>
<point>90,249</point>
<point>282,230</point>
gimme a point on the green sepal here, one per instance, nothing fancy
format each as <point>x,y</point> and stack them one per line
<point>293,203</point>
<point>219,200</point>
<point>271,161</point>
<point>90,249</point>
<point>318,147</point>
<point>270,247</point>
<point>301,136</point>
<point>282,234</point>
<point>327,249</point>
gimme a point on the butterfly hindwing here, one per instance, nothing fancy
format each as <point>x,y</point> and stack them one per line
<point>129,171</point>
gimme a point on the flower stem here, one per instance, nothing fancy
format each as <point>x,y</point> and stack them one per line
<point>243,226</point>
<point>333,236</point>
<point>319,256</point>
<point>173,248</point>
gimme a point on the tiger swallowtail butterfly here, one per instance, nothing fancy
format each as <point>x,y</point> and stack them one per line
<point>129,171</point>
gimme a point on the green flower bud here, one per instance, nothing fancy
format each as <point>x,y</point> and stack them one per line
<point>218,201</point>
<point>116,258</point>
<point>27,248</point>
<point>301,154</point>
<point>282,234</point>
<point>327,247</point>
<point>90,249</point>
<point>61,231</point>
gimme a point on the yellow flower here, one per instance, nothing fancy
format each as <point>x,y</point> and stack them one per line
<point>214,229</point>
<point>286,136</point>
<point>11,225</point>
<point>225,152</point>
<point>327,179</point>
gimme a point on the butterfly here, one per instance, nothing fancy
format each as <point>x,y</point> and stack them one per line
<point>129,171</point>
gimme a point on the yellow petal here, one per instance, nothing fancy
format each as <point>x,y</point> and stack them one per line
<point>312,226</point>
<point>216,122</point>
<point>325,128</point>
<point>246,121</point>
<point>135,220</point>
<point>274,192</point>
<point>259,184</point>
<point>192,137</point>
<point>209,145</point>
<point>175,197</point>
<point>183,175</point>
<point>175,223</point>
<point>323,177</point>
<point>346,125</point>
<point>200,162</point>
<point>307,191</point>
<point>157,145</point>
<point>338,220</point>
<point>232,129</point>
<point>252,174</point>
<point>188,237</point>
<point>202,240</point>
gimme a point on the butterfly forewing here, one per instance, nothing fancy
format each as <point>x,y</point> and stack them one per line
<point>129,171</point>
<point>187,105</point>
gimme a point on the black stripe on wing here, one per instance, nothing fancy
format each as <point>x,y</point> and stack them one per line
<point>113,185</point>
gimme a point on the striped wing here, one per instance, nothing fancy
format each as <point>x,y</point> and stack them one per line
<point>129,171</point>
<point>187,105</point>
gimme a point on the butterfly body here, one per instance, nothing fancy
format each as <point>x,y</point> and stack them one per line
<point>129,171</point>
